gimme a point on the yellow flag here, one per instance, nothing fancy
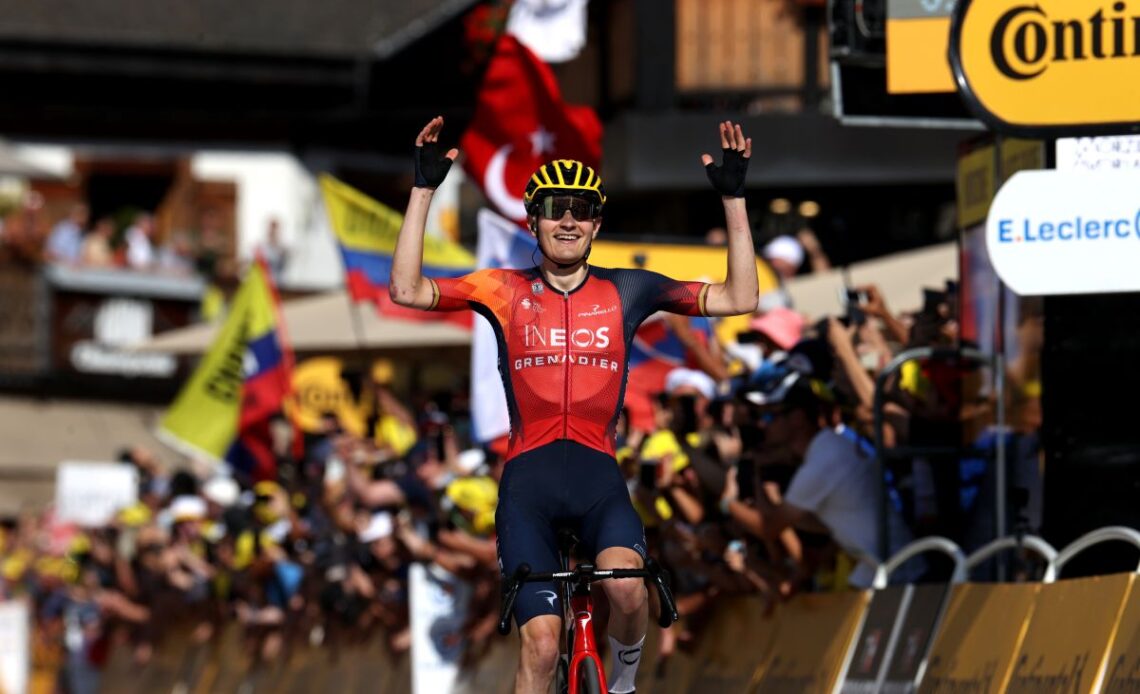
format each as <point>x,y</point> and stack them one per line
<point>367,230</point>
<point>204,416</point>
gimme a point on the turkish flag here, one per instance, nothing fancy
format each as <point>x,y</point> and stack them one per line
<point>522,123</point>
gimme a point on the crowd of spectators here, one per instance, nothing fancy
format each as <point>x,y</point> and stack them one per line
<point>759,479</point>
<point>128,240</point>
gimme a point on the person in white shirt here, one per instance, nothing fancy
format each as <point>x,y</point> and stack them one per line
<point>140,242</point>
<point>834,490</point>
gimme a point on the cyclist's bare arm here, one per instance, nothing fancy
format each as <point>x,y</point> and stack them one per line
<point>408,286</point>
<point>739,293</point>
<point>703,354</point>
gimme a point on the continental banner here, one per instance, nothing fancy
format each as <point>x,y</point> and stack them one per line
<point>1122,666</point>
<point>979,635</point>
<point>1069,635</point>
<point>1051,66</point>
<point>812,643</point>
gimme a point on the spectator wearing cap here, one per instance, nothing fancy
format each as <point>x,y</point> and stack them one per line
<point>833,490</point>
<point>784,255</point>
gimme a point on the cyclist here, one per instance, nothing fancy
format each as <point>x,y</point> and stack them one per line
<point>564,328</point>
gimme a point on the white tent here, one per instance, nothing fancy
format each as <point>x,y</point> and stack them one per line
<point>900,278</point>
<point>326,323</point>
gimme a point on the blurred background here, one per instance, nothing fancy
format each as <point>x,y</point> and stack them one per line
<point>154,155</point>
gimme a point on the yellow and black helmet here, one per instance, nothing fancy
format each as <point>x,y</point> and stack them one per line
<point>565,176</point>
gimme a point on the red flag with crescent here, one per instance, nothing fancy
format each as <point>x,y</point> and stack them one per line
<point>520,124</point>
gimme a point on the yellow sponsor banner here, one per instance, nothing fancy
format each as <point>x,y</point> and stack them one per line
<point>1049,64</point>
<point>1069,635</point>
<point>1122,666</point>
<point>916,56</point>
<point>686,263</point>
<point>205,414</point>
<point>976,175</point>
<point>981,631</point>
<point>813,639</point>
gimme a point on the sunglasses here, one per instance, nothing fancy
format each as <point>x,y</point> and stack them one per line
<point>556,206</point>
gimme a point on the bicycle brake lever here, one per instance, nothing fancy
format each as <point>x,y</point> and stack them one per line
<point>668,606</point>
<point>516,581</point>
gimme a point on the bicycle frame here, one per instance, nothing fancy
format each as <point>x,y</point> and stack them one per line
<point>581,641</point>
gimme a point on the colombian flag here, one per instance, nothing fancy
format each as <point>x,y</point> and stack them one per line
<point>366,231</point>
<point>225,408</point>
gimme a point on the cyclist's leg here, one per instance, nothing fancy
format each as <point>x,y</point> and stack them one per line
<point>525,534</point>
<point>619,542</point>
<point>612,530</point>
<point>541,638</point>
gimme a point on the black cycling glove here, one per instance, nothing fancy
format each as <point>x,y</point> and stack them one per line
<point>728,178</point>
<point>431,165</point>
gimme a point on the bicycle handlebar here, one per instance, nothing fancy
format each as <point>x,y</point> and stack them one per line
<point>586,574</point>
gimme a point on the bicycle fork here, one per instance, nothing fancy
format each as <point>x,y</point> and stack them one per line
<point>582,640</point>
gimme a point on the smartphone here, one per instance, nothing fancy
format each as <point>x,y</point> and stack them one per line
<point>746,478</point>
<point>686,414</point>
<point>852,297</point>
<point>647,474</point>
<point>932,299</point>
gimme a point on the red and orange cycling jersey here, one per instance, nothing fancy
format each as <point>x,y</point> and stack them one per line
<point>563,355</point>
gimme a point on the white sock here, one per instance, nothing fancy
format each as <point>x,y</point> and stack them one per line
<point>626,660</point>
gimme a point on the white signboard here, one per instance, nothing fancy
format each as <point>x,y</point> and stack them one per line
<point>1067,232</point>
<point>89,494</point>
<point>1110,153</point>
<point>15,658</point>
<point>438,604</point>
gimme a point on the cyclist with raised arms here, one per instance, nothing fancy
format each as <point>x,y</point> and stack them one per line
<point>563,331</point>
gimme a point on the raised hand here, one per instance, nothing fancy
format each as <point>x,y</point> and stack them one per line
<point>728,178</point>
<point>431,165</point>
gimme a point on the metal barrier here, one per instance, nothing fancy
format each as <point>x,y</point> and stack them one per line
<point>1106,534</point>
<point>882,453</point>
<point>921,546</point>
<point>1045,550</point>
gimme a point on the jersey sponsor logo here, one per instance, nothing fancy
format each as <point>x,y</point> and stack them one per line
<point>536,288</point>
<point>549,598</point>
<point>528,305</point>
<point>597,310</point>
<point>583,338</point>
<point>603,363</point>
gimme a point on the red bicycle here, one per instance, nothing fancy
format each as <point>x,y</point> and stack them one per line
<point>579,647</point>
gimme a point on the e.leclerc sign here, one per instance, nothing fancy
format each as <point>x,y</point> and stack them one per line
<point>1067,232</point>
<point>1049,67</point>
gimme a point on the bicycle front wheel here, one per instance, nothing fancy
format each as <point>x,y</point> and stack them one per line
<point>588,680</point>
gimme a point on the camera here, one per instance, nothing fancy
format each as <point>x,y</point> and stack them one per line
<point>851,300</point>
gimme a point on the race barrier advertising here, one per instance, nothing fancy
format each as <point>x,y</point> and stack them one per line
<point>1073,635</point>
<point>800,660</point>
<point>1068,634</point>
